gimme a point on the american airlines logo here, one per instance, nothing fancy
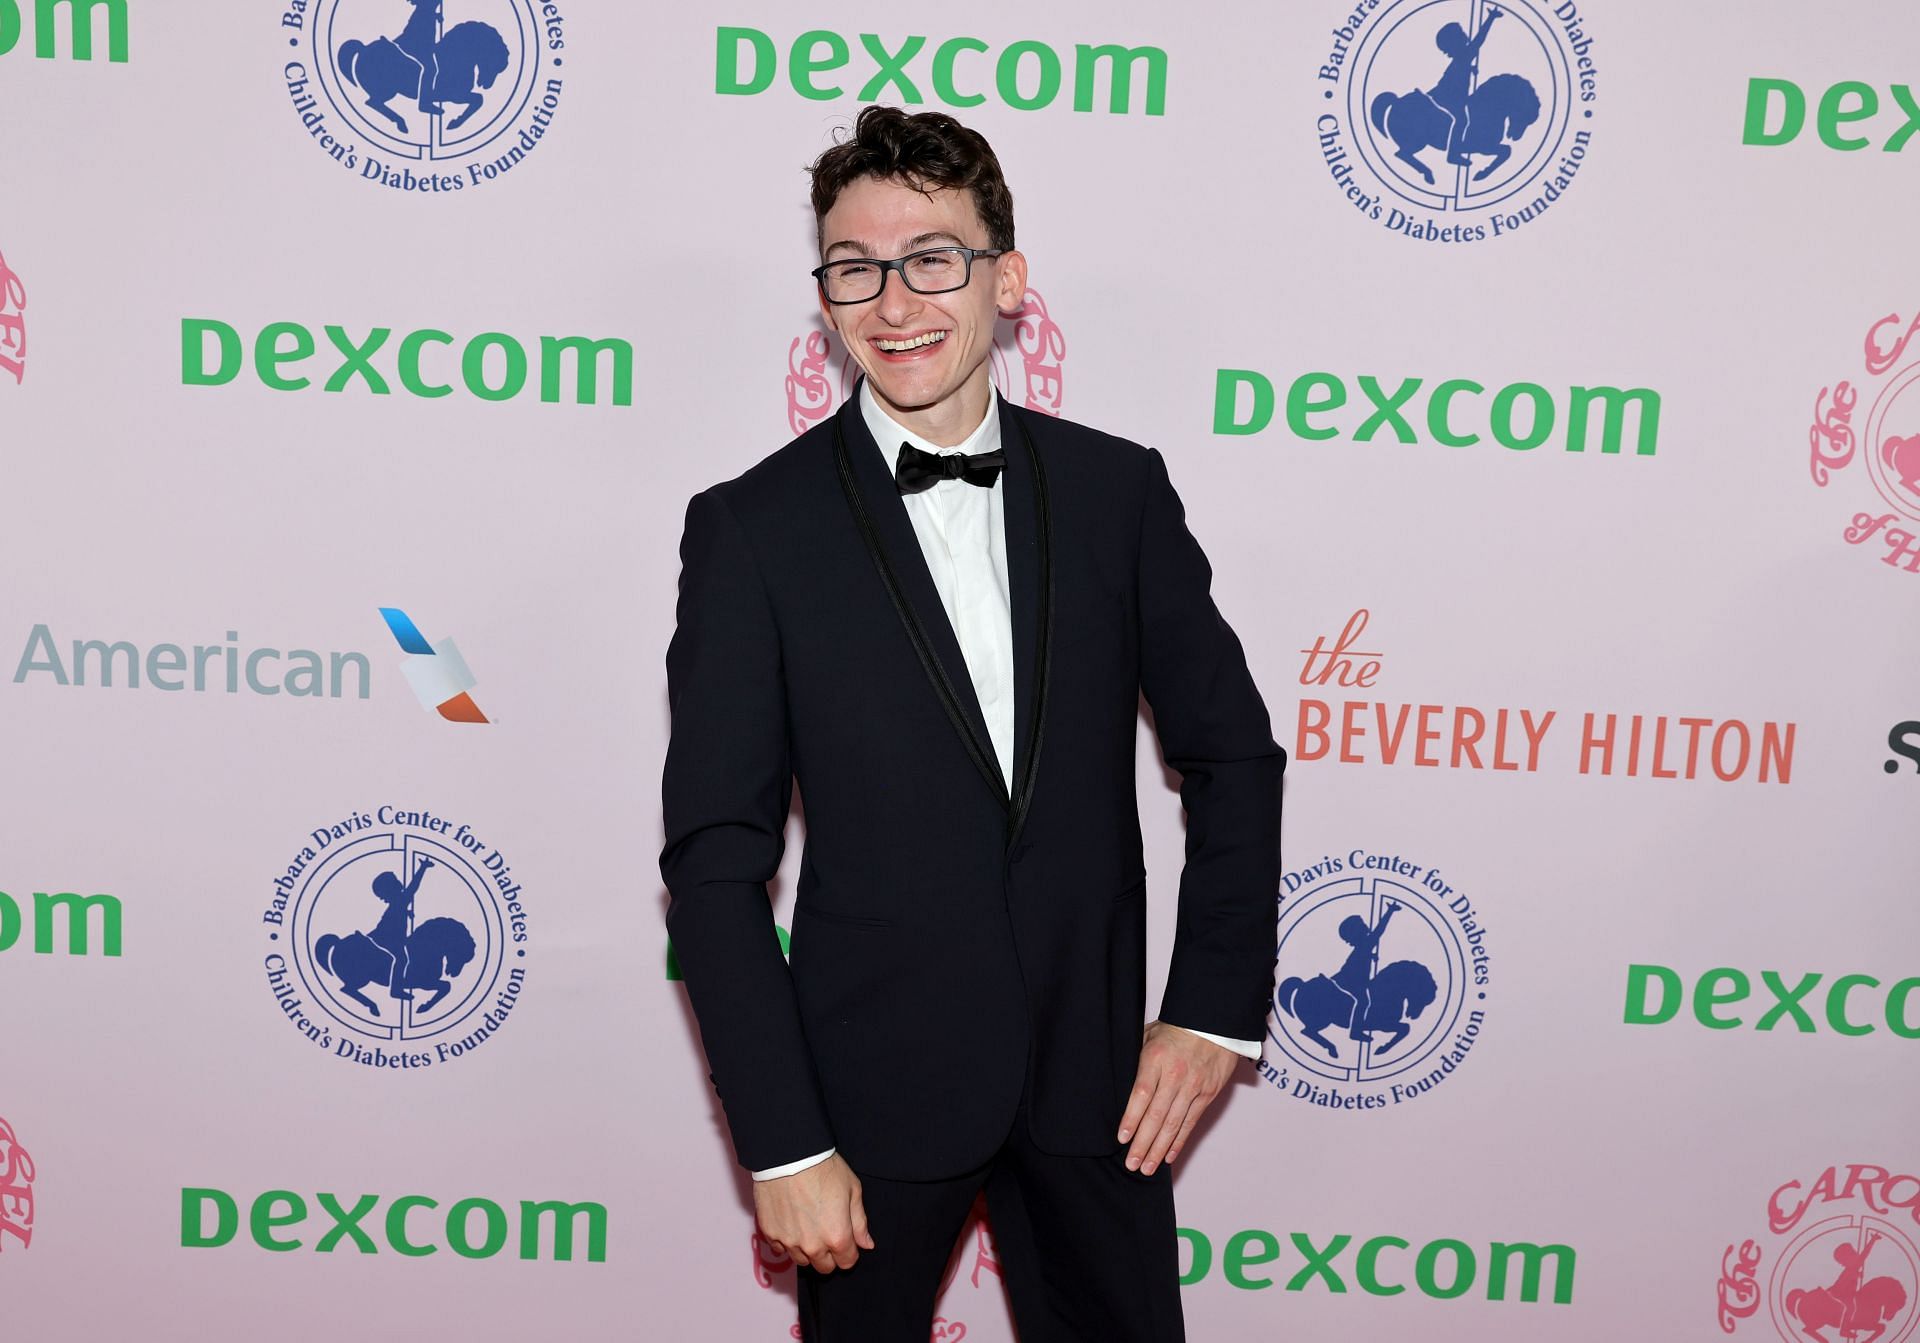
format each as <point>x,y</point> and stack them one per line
<point>436,671</point>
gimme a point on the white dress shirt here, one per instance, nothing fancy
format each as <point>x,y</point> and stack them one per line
<point>962,533</point>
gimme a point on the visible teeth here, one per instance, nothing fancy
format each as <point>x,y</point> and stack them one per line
<point>895,346</point>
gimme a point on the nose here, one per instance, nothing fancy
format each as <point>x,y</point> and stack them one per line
<point>896,301</point>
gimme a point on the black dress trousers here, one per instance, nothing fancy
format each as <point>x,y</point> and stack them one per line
<point>1086,1246</point>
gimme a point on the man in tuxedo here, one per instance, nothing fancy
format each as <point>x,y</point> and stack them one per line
<point>937,611</point>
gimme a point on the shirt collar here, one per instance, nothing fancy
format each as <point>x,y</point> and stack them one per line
<point>888,433</point>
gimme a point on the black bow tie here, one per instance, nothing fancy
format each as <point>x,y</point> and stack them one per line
<point>915,470</point>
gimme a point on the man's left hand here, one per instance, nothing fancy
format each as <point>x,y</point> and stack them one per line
<point>1179,1076</point>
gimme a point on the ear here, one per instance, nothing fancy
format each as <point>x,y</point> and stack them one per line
<point>1010,290</point>
<point>828,313</point>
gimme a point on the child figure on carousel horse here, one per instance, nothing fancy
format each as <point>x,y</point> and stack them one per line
<point>1355,978</point>
<point>1450,94</point>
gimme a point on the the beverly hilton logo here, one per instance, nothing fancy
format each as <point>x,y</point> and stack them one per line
<point>396,939</point>
<point>425,95</point>
<point>1456,121</point>
<point>1381,977</point>
<point>1348,717</point>
<point>1843,1261</point>
<point>16,1190</point>
<point>1886,440</point>
<point>1028,337</point>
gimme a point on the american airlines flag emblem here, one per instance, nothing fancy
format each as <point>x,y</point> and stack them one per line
<point>437,672</point>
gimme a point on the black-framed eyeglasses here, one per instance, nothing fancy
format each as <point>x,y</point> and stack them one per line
<point>933,270</point>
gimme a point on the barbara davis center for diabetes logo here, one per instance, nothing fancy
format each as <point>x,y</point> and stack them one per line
<point>425,95</point>
<point>1381,976</point>
<point>396,939</point>
<point>1455,121</point>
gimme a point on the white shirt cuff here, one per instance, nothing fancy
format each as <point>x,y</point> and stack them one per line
<point>793,1167</point>
<point>1245,1048</point>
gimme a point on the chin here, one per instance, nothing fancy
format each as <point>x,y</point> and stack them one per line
<point>909,388</point>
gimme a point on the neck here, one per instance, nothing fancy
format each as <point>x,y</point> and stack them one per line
<point>945,423</point>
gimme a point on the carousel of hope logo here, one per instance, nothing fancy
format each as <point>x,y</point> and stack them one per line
<point>1456,121</point>
<point>1887,439</point>
<point>1381,975</point>
<point>395,939</point>
<point>425,95</point>
<point>1843,1259</point>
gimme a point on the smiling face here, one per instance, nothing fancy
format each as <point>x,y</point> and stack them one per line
<point>925,355</point>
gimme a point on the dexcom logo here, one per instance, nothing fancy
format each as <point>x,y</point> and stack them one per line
<point>84,22</point>
<point>1442,1269</point>
<point>1777,113</point>
<point>959,71</point>
<point>473,1228</point>
<point>1844,1004</point>
<point>492,366</point>
<point>80,917</point>
<point>1453,412</point>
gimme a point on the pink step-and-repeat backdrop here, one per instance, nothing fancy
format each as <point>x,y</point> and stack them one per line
<point>1567,499</point>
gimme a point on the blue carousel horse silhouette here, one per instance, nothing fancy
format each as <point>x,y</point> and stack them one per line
<point>1356,999</point>
<point>1447,117</point>
<point>427,67</point>
<point>428,957</point>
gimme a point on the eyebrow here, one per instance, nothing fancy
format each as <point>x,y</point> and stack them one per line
<point>913,244</point>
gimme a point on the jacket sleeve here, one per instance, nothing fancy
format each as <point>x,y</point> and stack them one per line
<point>725,794</point>
<point>1214,730</point>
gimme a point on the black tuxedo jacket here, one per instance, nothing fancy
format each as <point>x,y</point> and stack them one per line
<point>955,934</point>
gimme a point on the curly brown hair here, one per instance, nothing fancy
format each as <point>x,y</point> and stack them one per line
<point>929,151</point>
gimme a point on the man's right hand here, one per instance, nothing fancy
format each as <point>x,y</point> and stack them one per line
<point>816,1215</point>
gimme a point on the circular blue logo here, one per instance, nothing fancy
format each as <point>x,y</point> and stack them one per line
<point>425,95</point>
<point>1381,975</point>
<point>1456,120</point>
<point>396,939</point>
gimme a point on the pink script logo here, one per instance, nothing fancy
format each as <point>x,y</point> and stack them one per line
<point>1892,458</point>
<point>813,394</point>
<point>16,1189</point>
<point>1843,1260</point>
<point>13,323</point>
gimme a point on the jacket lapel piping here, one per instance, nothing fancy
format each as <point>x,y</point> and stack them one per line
<point>1043,653</point>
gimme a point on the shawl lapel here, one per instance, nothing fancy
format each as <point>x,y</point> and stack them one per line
<point>1029,521</point>
<point>881,516</point>
<point>894,547</point>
